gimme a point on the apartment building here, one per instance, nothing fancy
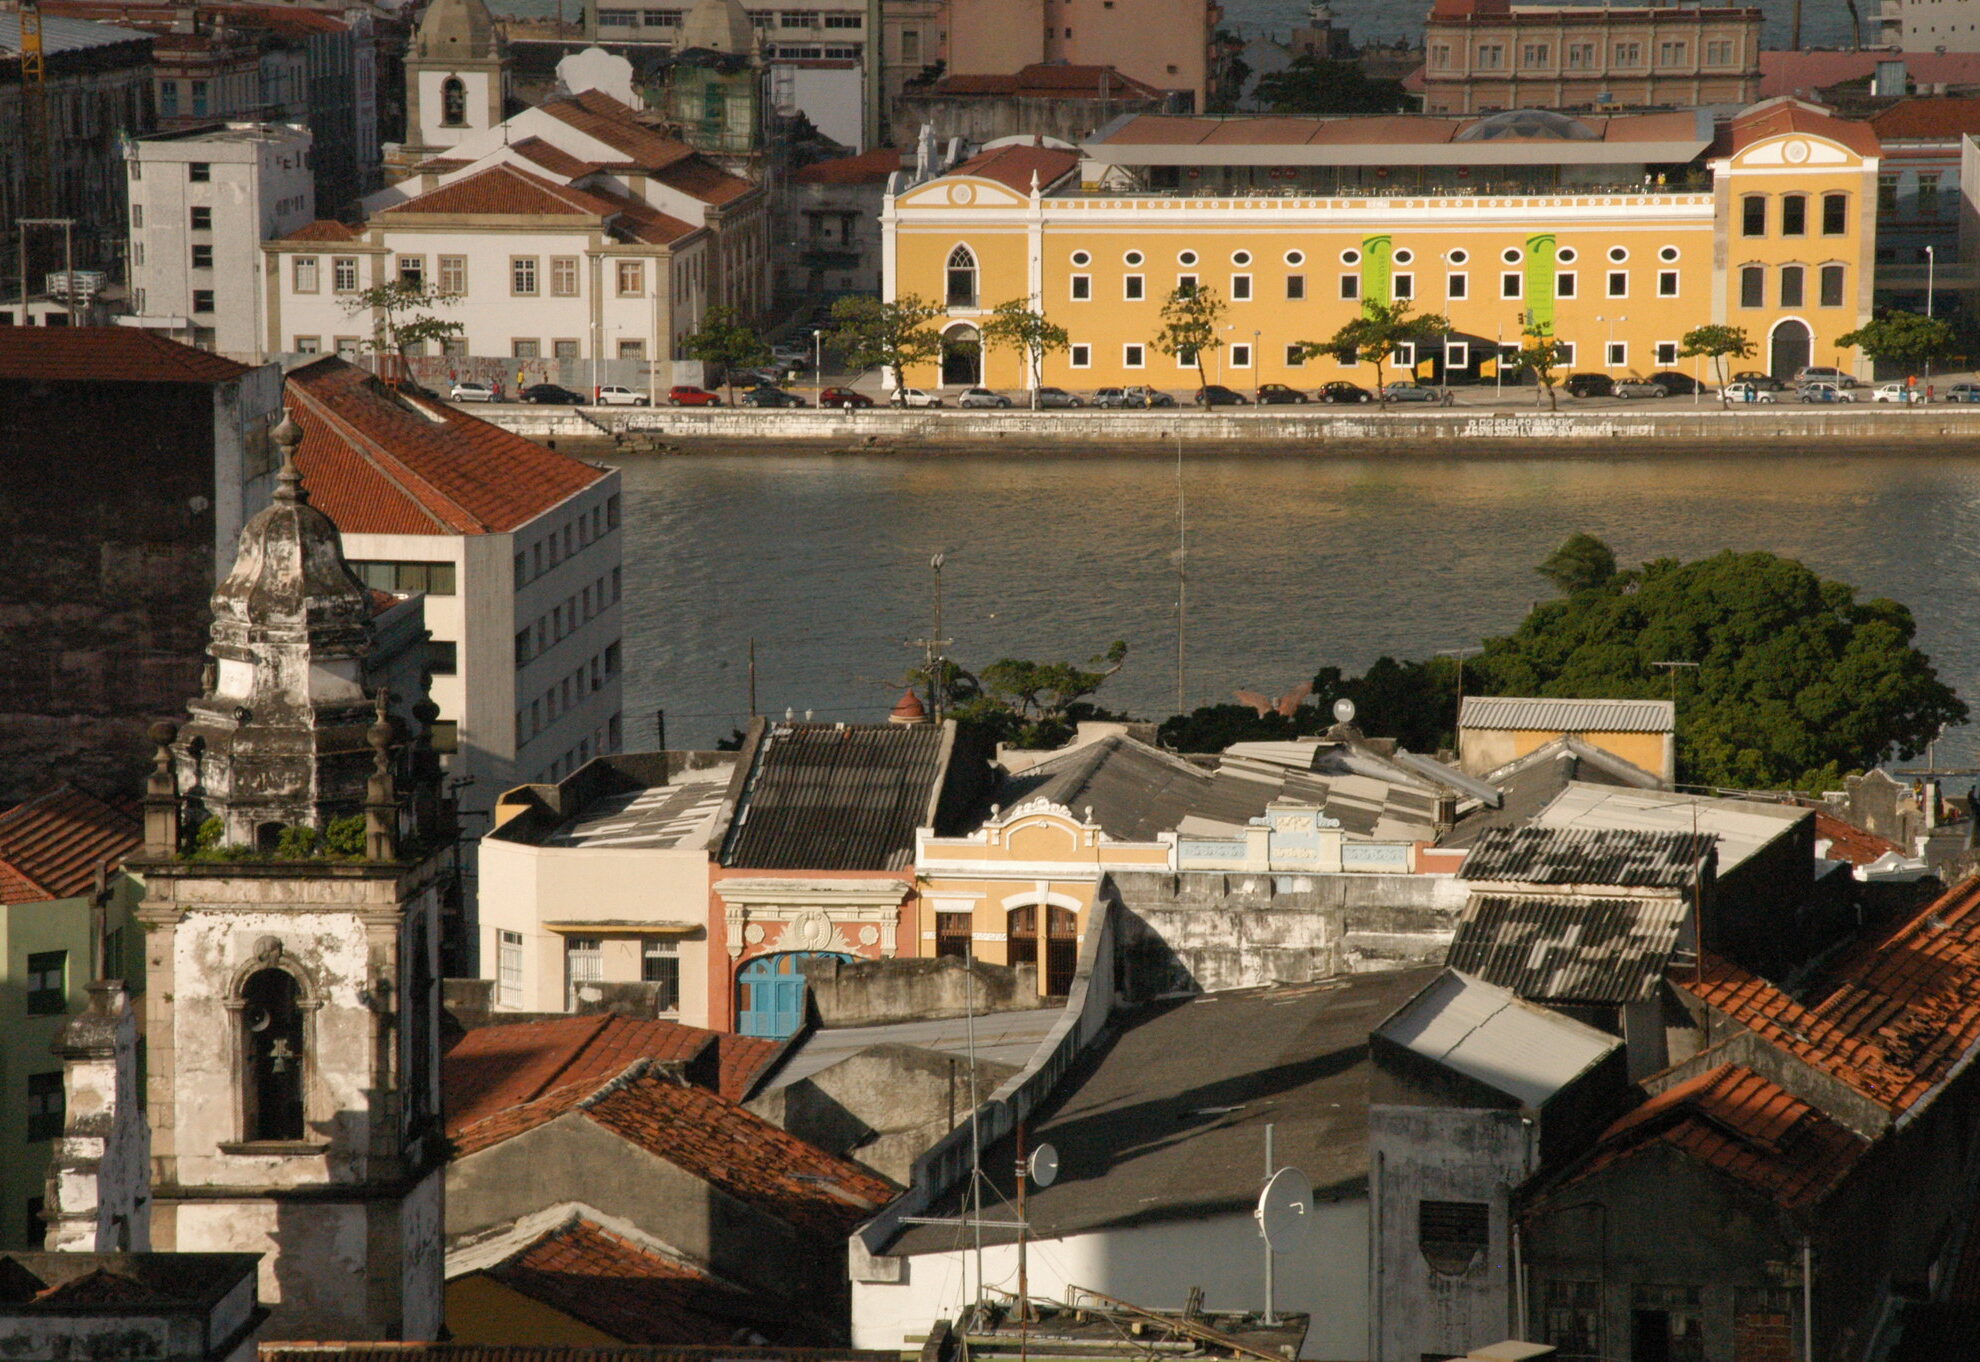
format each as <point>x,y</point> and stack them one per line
<point>1482,56</point>
<point>1620,234</point>
<point>202,203</point>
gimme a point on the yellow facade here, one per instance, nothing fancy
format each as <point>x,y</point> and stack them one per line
<point>1035,866</point>
<point>1621,275</point>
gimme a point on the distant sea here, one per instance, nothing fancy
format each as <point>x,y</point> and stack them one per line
<point>1824,23</point>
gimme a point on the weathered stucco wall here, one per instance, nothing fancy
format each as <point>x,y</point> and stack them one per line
<point>872,992</point>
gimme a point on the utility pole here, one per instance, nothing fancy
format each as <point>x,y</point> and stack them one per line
<point>1182,577</point>
<point>934,648</point>
<point>1672,669</point>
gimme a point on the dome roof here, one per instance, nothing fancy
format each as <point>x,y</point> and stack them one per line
<point>290,573</point>
<point>1538,123</point>
<point>457,28</point>
<point>717,26</point>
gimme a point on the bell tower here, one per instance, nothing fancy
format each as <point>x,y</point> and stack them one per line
<point>293,1061</point>
<point>456,80</point>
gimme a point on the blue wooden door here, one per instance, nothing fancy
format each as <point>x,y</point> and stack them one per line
<point>770,992</point>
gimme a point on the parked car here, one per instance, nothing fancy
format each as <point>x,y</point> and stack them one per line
<point>552,395</point>
<point>1639,387</point>
<point>846,399</point>
<point>766,377</point>
<point>915,397</point>
<point>1590,385</point>
<point>1153,397</point>
<point>1112,398</point>
<point>791,354</point>
<point>1341,391</point>
<point>613,395</point>
<point>1417,392</point>
<point>1279,395</point>
<point>1766,383</point>
<point>1749,392</point>
<point>767,396</point>
<point>1822,373</point>
<point>1059,397</point>
<point>982,397</point>
<point>470,392</point>
<point>1963,392</point>
<point>1903,393</point>
<point>680,395</point>
<point>1821,392</point>
<point>1217,395</point>
<point>1680,385</point>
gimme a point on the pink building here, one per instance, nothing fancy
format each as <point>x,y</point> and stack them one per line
<point>1170,50</point>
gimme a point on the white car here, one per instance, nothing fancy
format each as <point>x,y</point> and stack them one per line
<point>1746,392</point>
<point>1901,393</point>
<point>792,355</point>
<point>612,395</point>
<point>470,392</point>
<point>915,397</point>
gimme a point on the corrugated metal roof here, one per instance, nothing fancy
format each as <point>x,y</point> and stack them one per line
<point>65,35</point>
<point>1489,1034</point>
<point>1581,950</point>
<point>1623,857</point>
<point>1134,791</point>
<point>1739,826</point>
<point>836,796</point>
<point>1538,714</point>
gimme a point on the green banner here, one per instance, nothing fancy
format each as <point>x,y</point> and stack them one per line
<point>1375,269</point>
<point>1540,282</point>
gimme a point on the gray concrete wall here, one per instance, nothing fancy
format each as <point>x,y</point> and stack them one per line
<point>873,992</point>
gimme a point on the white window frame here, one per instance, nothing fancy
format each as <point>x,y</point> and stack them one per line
<point>1566,285</point>
<point>1078,282</point>
<point>1134,355</point>
<point>1665,353</point>
<point>1403,286</point>
<point>1080,356</point>
<point>1616,354</point>
<point>1512,284</point>
<point>509,970</point>
<point>1134,288</point>
<point>1457,285</point>
<point>1457,355</point>
<point>1241,355</point>
<point>1351,288</point>
<point>1240,288</point>
<point>1610,278</point>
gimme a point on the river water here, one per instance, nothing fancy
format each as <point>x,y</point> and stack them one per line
<point>1292,563</point>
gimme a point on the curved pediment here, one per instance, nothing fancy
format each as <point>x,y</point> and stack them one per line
<point>1796,151</point>
<point>962,191</point>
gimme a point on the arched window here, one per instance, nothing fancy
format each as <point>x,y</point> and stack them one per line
<point>453,102</point>
<point>271,1056</point>
<point>962,277</point>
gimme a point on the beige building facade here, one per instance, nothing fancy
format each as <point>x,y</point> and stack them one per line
<point>1000,37</point>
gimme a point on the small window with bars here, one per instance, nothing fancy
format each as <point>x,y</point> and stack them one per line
<point>1453,1235</point>
<point>660,963</point>
<point>952,935</point>
<point>509,969</point>
<point>47,983</point>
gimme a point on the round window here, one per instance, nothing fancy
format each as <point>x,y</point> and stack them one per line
<point>1404,257</point>
<point>1241,257</point>
<point>1565,255</point>
<point>1295,257</point>
<point>1132,257</point>
<point>1081,258</point>
<point>1668,254</point>
<point>1510,255</point>
<point>1618,254</point>
<point>1186,258</point>
<point>1459,257</point>
<point>1350,256</point>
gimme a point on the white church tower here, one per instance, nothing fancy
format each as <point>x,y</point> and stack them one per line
<point>456,80</point>
<point>293,1006</point>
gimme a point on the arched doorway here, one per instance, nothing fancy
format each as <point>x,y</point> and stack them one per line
<point>962,357</point>
<point>770,992</point>
<point>1061,945</point>
<point>1789,349</point>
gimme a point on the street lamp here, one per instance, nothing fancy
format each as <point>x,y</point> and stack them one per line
<point>1931,263</point>
<point>818,365</point>
<point>1257,364</point>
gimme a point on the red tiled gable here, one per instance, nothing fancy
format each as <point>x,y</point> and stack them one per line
<point>871,167</point>
<point>505,190</point>
<point>495,1068</point>
<point>634,1293</point>
<point>377,463</point>
<point>1733,1120</point>
<point>1850,843</point>
<point>643,222</point>
<point>734,1149</point>
<point>1776,119</point>
<point>1943,118</point>
<point>51,845</point>
<point>107,354</point>
<point>616,125</point>
<point>552,158</point>
<point>1891,1018</point>
<point>742,1059</point>
<point>324,229</point>
<point>1015,165</point>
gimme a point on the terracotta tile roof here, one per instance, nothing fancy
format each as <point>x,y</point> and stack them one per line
<point>1943,118</point>
<point>1737,1122</point>
<point>1014,166</point>
<point>493,1068</point>
<point>741,1060</point>
<point>1891,1018</point>
<point>1787,73</point>
<point>552,158</point>
<point>702,179</point>
<point>1848,842</point>
<point>107,354</point>
<point>871,167</point>
<point>640,221</point>
<point>505,190</point>
<point>324,229</point>
<point>51,845</point>
<point>617,125</point>
<point>382,463</point>
<point>1051,81</point>
<point>635,1293</point>
<point>1774,118</point>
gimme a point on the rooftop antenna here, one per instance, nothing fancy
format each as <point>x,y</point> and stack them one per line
<point>934,648</point>
<point>1284,1215</point>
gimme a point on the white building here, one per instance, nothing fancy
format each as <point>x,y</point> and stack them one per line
<point>572,231</point>
<point>1929,25</point>
<point>517,548</point>
<point>202,203</point>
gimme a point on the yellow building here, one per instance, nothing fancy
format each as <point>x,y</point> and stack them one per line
<point>1621,233</point>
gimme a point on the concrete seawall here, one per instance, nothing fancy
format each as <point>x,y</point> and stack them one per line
<point>1782,429</point>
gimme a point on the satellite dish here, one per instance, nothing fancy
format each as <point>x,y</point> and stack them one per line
<point>1285,1209</point>
<point>1043,1166</point>
<point>1343,711</point>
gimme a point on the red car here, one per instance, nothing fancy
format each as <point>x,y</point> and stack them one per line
<point>843,398</point>
<point>685,395</point>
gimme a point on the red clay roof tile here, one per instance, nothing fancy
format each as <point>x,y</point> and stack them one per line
<point>1014,166</point>
<point>50,846</point>
<point>107,354</point>
<point>508,191</point>
<point>495,1068</point>
<point>598,115</point>
<point>1850,843</point>
<point>324,229</point>
<point>870,167</point>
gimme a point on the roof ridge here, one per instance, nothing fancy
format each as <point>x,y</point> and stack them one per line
<point>397,472</point>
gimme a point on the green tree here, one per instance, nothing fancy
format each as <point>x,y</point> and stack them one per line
<point>1014,326</point>
<point>894,336</point>
<point>1314,85</point>
<point>1542,355</point>
<point>725,338</point>
<point>1026,703</point>
<point>402,315</point>
<point>1716,343</point>
<point>1582,561</point>
<point>1413,702</point>
<point>1797,683</point>
<point>1190,318</point>
<point>1904,340</point>
<point>1373,337</point>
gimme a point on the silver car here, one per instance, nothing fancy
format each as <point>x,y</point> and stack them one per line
<point>1059,397</point>
<point>1418,392</point>
<point>982,397</point>
<point>1640,387</point>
